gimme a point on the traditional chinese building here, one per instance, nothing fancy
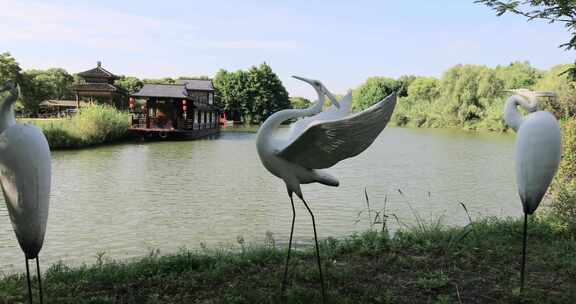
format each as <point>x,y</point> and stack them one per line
<point>98,86</point>
<point>182,110</point>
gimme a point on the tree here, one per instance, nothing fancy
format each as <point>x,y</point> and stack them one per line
<point>467,90</point>
<point>563,11</point>
<point>518,74</point>
<point>424,88</point>
<point>165,80</point>
<point>9,68</point>
<point>372,91</point>
<point>232,93</point>
<point>299,102</point>
<point>35,89</point>
<point>129,84</point>
<point>267,93</point>
<point>403,83</point>
<point>58,80</point>
<point>565,103</point>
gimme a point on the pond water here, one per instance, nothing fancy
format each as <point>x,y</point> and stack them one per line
<point>126,200</point>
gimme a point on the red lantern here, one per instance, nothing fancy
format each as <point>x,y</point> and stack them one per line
<point>131,102</point>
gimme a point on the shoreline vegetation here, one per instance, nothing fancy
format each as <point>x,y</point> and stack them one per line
<point>478,263</point>
<point>93,125</point>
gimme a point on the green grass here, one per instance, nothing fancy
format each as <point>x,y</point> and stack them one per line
<point>241,128</point>
<point>436,265</point>
<point>94,125</point>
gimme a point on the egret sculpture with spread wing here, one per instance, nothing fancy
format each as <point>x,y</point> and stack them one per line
<point>537,156</point>
<point>318,141</point>
<point>25,180</point>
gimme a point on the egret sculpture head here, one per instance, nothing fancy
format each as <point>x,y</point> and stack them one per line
<point>12,89</point>
<point>320,89</point>
<point>9,94</point>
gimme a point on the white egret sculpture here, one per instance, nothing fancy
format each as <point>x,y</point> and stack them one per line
<point>25,180</point>
<point>537,155</point>
<point>316,143</point>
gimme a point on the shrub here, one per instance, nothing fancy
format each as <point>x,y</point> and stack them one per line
<point>96,124</point>
<point>563,189</point>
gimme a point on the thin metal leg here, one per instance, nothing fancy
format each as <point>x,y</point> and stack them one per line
<point>317,250</point>
<point>28,279</point>
<point>523,267</point>
<point>39,280</point>
<point>285,280</point>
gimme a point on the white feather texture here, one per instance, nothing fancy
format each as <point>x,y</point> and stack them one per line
<point>538,150</point>
<point>25,177</point>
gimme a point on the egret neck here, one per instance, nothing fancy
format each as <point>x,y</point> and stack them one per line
<point>7,118</point>
<point>274,121</point>
<point>512,116</point>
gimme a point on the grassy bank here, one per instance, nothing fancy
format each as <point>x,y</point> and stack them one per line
<point>94,125</point>
<point>478,264</point>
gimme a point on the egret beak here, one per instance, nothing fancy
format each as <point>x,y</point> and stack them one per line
<point>303,79</point>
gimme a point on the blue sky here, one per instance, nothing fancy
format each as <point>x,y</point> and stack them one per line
<point>339,42</point>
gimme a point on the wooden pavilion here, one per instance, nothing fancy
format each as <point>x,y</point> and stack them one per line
<point>98,86</point>
<point>182,110</point>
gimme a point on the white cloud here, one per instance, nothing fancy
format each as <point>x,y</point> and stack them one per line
<point>100,28</point>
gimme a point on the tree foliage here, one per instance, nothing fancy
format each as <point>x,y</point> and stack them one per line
<point>40,85</point>
<point>165,80</point>
<point>129,84</point>
<point>253,95</point>
<point>469,96</point>
<point>554,80</point>
<point>518,74</point>
<point>563,11</point>
<point>299,102</point>
<point>9,68</point>
<point>232,91</point>
<point>373,90</point>
<point>426,88</point>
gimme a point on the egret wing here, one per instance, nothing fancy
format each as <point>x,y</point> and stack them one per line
<point>331,113</point>
<point>25,180</point>
<point>323,144</point>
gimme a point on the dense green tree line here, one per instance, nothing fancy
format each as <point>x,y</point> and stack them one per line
<point>36,85</point>
<point>252,95</point>
<point>467,96</point>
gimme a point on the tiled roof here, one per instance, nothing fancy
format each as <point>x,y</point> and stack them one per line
<point>197,84</point>
<point>96,72</point>
<point>95,87</point>
<point>162,90</point>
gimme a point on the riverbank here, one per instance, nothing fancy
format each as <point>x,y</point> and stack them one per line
<point>427,264</point>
